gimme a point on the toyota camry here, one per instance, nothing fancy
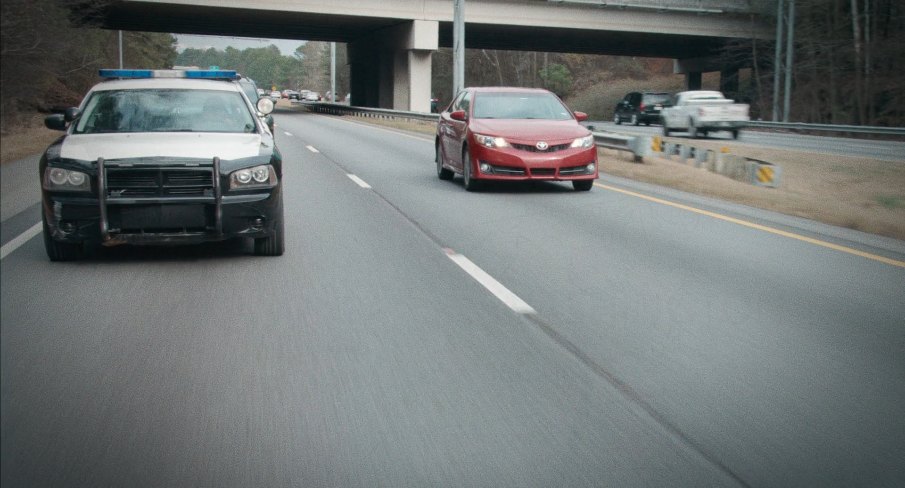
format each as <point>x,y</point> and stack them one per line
<point>514,134</point>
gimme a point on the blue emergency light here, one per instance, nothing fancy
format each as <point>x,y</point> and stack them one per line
<point>208,74</point>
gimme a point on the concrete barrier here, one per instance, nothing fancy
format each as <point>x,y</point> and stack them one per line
<point>740,168</point>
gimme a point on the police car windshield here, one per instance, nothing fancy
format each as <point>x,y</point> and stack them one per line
<point>165,110</point>
<point>519,106</point>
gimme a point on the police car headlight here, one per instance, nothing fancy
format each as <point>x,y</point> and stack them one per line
<point>59,179</point>
<point>586,141</point>
<point>243,176</point>
<point>261,174</point>
<point>257,177</point>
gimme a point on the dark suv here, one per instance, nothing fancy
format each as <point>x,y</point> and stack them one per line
<point>640,108</point>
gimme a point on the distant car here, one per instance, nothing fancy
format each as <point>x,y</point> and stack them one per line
<point>313,96</point>
<point>514,134</point>
<point>254,94</point>
<point>293,95</point>
<point>275,95</point>
<point>640,108</point>
<point>155,157</point>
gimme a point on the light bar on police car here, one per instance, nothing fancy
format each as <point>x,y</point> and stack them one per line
<point>207,74</point>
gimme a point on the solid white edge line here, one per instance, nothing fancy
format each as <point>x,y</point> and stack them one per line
<point>510,299</point>
<point>312,149</point>
<point>359,181</point>
<point>19,240</point>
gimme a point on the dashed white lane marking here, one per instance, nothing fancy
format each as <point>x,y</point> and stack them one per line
<point>510,299</point>
<point>312,149</point>
<point>359,181</point>
<point>19,240</point>
<point>287,133</point>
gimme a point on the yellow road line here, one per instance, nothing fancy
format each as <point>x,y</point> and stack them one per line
<point>752,225</point>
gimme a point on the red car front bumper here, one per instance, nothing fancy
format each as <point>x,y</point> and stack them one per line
<point>523,162</point>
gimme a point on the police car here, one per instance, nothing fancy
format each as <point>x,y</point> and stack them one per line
<point>156,157</point>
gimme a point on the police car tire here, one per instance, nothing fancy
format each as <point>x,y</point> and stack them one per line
<point>61,251</point>
<point>274,244</point>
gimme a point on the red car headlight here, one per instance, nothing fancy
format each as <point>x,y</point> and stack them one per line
<point>490,141</point>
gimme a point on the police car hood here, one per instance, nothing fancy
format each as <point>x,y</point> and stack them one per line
<point>89,147</point>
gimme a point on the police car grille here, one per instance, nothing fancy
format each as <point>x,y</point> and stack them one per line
<point>159,182</point>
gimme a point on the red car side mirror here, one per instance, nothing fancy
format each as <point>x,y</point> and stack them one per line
<point>581,116</point>
<point>458,115</point>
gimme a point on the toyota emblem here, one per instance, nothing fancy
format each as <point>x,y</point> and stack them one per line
<point>542,146</point>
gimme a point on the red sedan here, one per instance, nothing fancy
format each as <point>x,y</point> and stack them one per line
<point>514,134</point>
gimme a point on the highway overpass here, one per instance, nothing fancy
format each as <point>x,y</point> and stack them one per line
<point>391,41</point>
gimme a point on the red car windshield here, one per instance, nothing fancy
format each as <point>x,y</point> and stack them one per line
<point>515,105</point>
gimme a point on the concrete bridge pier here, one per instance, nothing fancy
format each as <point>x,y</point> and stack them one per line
<point>693,80</point>
<point>694,68</point>
<point>391,68</point>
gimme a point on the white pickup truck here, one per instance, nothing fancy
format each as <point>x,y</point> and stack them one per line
<point>699,112</point>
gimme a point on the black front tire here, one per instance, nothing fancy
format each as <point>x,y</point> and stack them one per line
<point>274,244</point>
<point>442,173</point>
<point>470,183</point>
<point>61,251</point>
<point>616,119</point>
<point>582,185</point>
<point>735,134</point>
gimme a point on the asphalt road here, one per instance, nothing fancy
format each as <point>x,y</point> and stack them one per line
<point>628,336</point>
<point>884,150</point>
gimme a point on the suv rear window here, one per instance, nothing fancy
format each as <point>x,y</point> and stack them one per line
<point>656,98</point>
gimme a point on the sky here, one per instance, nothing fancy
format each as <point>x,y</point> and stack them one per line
<point>184,41</point>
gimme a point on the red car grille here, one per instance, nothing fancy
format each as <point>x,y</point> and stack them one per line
<point>530,148</point>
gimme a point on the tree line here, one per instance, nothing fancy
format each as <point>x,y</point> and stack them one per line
<point>307,68</point>
<point>48,62</point>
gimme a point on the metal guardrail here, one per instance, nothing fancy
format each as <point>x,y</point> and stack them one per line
<point>855,129</point>
<point>382,113</point>
<point>637,145</point>
<point>611,138</point>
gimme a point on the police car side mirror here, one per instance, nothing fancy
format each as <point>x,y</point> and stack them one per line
<point>55,122</point>
<point>265,106</point>
<point>71,114</point>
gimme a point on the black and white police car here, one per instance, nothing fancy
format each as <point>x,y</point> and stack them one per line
<point>162,157</point>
